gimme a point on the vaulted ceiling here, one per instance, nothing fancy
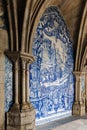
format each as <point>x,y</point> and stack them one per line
<point>32,10</point>
<point>72,13</point>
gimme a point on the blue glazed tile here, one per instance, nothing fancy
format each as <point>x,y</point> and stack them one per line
<point>51,78</point>
<point>8,85</point>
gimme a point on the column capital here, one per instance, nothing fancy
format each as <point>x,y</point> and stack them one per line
<point>17,55</point>
<point>12,55</point>
<point>26,57</point>
<point>78,74</point>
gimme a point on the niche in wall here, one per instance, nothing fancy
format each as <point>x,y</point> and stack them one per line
<point>51,78</point>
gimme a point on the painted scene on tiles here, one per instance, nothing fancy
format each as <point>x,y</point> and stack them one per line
<point>51,78</point>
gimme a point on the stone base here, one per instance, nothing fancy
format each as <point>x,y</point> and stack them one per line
<point>78,109</point>
<point>21,120</point>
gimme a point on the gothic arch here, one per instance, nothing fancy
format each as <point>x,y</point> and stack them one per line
<point>81,40</point>
<point>84,57</point>
<point>50,22</point>
<point>80,105</point>
<point>29,17</point>
<point>22,16</point>
<point>36,19</point>
<point>21,42</point>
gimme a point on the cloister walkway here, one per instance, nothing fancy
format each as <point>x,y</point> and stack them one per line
<point>69,123</point>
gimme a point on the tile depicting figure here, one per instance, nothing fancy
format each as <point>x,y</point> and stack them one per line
<point>51,77</point>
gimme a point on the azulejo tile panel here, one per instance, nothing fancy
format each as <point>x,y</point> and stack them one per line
<point>8,85</point>
<point>51,78</point>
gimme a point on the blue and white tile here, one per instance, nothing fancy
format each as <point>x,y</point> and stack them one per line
<point>51,78</point>
<point>8,85</point>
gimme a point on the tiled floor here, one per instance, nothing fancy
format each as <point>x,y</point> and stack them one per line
<point>70,123</point>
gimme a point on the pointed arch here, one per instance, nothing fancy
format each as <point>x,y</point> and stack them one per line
<point>12,13</point>
<point>35,20</point>
<point>26,26</point>
<point>81,44</point>
<point>84,58</point>
<point>29,16</point>
<point>52,48</point>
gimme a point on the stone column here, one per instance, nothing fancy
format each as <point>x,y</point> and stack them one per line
<point>22,114</point>
<point>14,58</point>
<point>16,70</point>
<point>78,107</point>
<point>15,62</point>
<point>27,83</point>
<point>23,82</point>
<point>77,84</point>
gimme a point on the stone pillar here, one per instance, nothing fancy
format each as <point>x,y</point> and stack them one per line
<point>22,114</point>
<point>27,83</point>
<point>78,107</point>
<point>23,82</point>
<point>16,83</point>
<point>16,71</point>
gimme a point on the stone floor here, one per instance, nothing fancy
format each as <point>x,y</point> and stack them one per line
<point>69,123</point>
